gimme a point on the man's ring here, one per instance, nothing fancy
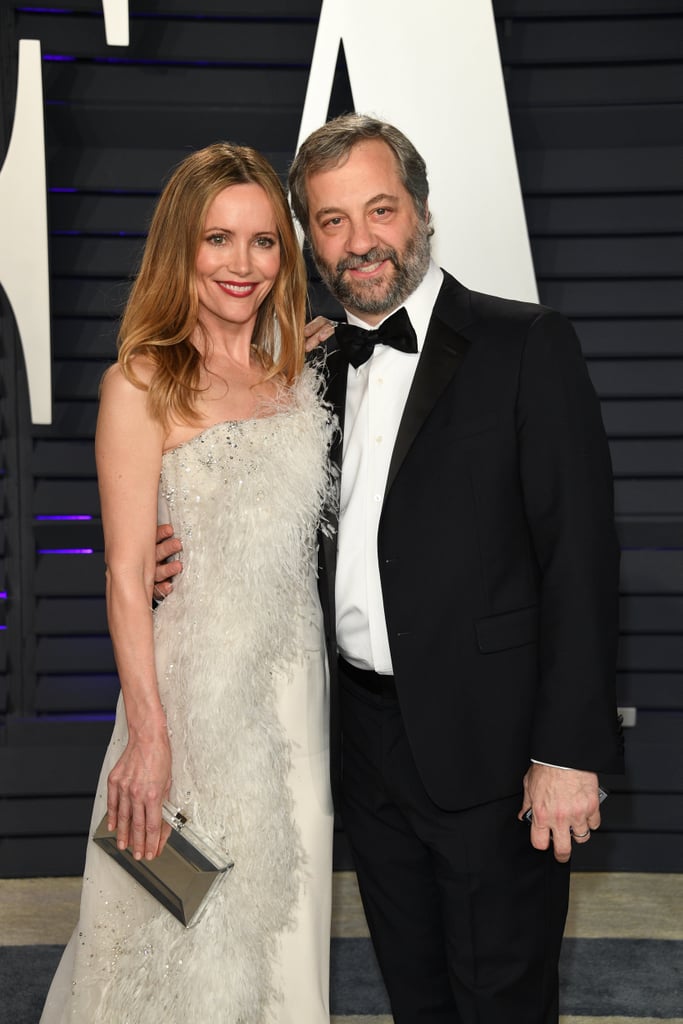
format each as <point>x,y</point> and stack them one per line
<point>582,835</point>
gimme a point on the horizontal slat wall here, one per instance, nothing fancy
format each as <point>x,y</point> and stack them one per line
<point>595,96</point>
<point>596,99</point>
<point>117,121</point>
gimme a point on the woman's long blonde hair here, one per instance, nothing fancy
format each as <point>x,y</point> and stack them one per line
<point>163,308</point>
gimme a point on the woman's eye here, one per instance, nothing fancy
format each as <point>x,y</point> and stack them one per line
<point>216,239</point>
<point>265,242</point>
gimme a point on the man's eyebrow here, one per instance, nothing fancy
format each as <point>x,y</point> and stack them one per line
<point>381,197</point>
<point>325,210</point>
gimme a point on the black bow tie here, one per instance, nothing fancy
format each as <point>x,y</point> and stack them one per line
<point>358,344</point>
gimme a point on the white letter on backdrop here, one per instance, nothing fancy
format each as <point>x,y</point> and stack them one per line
<point>433,69</point>
<point>23,214</point>
<point>116,22</point>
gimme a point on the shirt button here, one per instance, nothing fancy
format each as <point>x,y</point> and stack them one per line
<point>378,439</point>
<point>378,497</point>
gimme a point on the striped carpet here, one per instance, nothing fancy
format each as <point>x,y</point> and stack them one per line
<point>622,960</point>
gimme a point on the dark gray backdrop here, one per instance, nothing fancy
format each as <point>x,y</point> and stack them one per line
<point>595,90</point>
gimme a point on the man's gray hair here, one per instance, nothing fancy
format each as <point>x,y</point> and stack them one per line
<point>331,145</point>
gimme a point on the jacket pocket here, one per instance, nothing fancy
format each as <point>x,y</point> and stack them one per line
<point>511,629</point>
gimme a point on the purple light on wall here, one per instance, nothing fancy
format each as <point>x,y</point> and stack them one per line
<point>62,190</point>
<point>58,57</point>
<point>3,627</point>
<point>65,551</point>
<point>3,595</point>
<point>63,519</point>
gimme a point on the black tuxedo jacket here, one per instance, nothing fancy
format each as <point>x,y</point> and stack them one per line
<point>497,553</point>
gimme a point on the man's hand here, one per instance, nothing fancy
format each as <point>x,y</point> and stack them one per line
<point>565,806</point>
<point>167,546</point>
<point>318,330</point>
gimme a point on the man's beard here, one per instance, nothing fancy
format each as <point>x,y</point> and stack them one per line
<point>377,296</point>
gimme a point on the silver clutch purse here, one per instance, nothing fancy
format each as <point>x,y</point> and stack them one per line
<point>186,873</point>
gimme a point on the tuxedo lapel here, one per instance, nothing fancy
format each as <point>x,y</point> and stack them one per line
<point>439,361</point>
<point>442,353</point>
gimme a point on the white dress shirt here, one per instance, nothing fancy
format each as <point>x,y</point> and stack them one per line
<point>375,398</point>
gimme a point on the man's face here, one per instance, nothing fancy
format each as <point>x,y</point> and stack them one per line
<point>370,246</point>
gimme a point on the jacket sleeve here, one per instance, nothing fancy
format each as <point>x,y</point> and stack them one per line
<point>566,480</point>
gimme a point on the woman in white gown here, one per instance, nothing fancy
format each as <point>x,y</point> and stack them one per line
<point>223,705</point>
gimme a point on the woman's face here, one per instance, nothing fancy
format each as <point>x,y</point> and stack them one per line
<point>238,258</point>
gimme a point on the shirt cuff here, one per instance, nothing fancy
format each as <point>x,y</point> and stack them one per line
<point>548,765</point>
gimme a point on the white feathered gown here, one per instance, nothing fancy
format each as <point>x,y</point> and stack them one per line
<point>242,676</point>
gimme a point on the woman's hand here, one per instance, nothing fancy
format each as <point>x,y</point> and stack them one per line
<point>128,446</point>
<point>138,785</point>
<point>317,331</point>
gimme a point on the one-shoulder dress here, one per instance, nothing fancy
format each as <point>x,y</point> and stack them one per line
<point>242,674</point>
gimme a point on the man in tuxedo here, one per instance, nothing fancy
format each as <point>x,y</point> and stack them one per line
<point>470,595</point>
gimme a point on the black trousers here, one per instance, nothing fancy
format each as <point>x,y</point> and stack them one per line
<point>465,916</point>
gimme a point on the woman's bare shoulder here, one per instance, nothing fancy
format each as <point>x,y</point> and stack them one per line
<point>124,397</point>
<point>136,378</point>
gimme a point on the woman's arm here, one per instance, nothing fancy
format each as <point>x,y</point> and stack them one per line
<point>128,448</point>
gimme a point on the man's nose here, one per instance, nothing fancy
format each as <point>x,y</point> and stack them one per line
<point>360,238</point>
